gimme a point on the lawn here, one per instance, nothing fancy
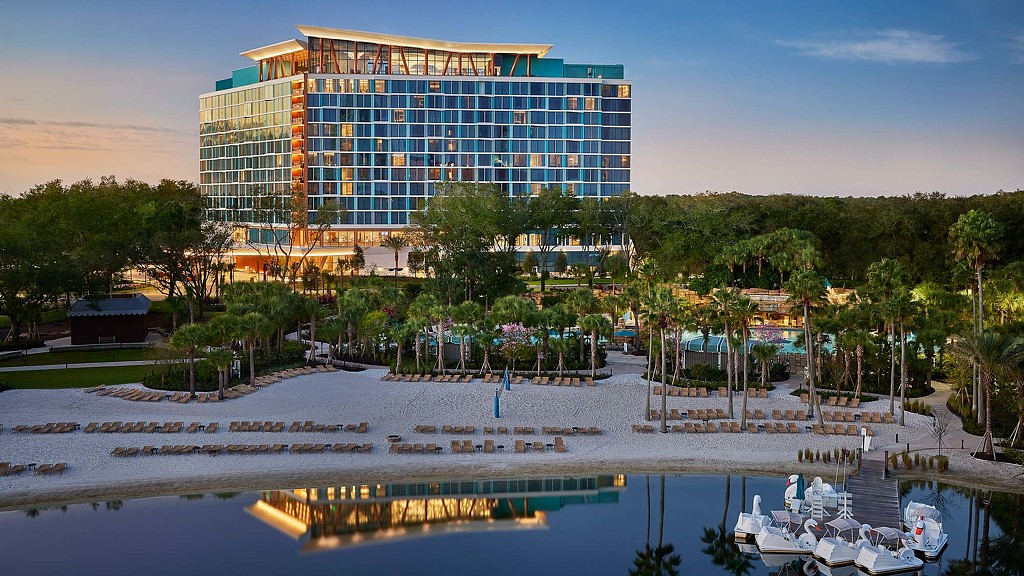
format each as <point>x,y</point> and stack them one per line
<point>74,378</point>
<point>49,317</point>
<point>80,357</point>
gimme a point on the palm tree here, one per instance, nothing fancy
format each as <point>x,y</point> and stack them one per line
<point>309,309</point>
<point>765,352</point>
<point>562,346</point>
<point>221,358</point>
<point>724,300</point>
<point>660,308</point>
<point>597,325</point>
<point>252,327</point>
<point>744,310</point>
<point>885,279</point>
<point>190,339</point>
<point>806,287</point>
<point>396,244</point>
<point>994,354</point>
<point>974,237</point>
<point>903,310</point>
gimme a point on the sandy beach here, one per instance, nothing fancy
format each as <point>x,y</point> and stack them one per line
<point>614,405</point>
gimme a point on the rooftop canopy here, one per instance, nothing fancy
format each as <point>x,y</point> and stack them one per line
<point>137,306</point>
<point>538,50</point>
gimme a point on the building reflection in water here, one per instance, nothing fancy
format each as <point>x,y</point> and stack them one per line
<point>332,517</point>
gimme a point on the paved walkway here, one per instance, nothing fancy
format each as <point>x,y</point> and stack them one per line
<point>954,439</point>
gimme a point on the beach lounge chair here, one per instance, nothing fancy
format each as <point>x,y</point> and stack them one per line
<point>589,381</point>
<point>752,428</point>
<point>502,430</point>
<point>488,446</point>
<point>805,398</point>
<point>855,403</point>
<point>456,447</point>
<point>762,393</point>
<point>711,428</point>
<point>638,428</point>
<point>520,447</point>
<point>792,428</point>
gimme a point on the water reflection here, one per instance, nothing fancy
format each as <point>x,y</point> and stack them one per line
<point>334,517</point>
<point>662,559</point>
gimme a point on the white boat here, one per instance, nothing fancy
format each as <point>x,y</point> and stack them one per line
<point>837,550</point>
<point>826,570</point>
<point>924,523</point>
<point>749,524</point>
<point>779,539</point>
<point>877,558</point>
<point>829,496</point>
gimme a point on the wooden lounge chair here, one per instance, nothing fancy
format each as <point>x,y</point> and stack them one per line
<point>792,428</point>
<point>752,428</point>
<point>762,393</point>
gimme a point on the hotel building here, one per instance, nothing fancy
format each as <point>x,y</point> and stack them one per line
<point>376,121</point>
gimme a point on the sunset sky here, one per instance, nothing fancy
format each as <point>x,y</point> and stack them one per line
<point>833,98</point>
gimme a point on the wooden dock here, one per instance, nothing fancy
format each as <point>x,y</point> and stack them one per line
<point>876,500</point>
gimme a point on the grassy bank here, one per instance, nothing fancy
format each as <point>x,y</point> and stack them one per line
<point>74,378</point>
<point>80,357</point>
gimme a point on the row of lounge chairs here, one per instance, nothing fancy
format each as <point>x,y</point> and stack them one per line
<point>268,379</point>
<point>49,428</point>
<point>563,381</point>
<point>212,449</point>
<point>8,469</point>
<point>148,428</point>
<point>840,416</point>
<point>521,446</point>
<point>125,393</point>
<point>710,427</point>
<point>430,448</point>
<point>571,431</point>
<point>682,391</point>
<point>877,417</point>
<point>391,377</point>
<point>237,391</point>
<point>692,414</point>
<point>296,426</point>
<point>837,401</point>
<point>840,429</point>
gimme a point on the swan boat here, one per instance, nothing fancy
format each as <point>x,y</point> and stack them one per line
<point>828,494</point>
<point>924,523</point>
<point>834,549</point>
<point>749,524</point>
<point>778,539</point>
<point>877,558</point>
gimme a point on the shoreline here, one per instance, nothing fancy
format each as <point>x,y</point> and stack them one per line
<point>614,405</point>
<point>12,501</point>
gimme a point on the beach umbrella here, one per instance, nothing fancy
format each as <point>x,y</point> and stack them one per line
<point>800,487</point>
<point>497,412</point>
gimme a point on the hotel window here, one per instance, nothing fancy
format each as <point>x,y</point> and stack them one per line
<point>519,117</point>
<point>572,161</point>
<point>328,158</point>
<point>379,86</point>
<point>625,161</point>
<point>536,160</point>
<point>398,159</point>
<point>398,116</point>
<point>364,86</point>
<point>418,101</point>
<point>588,104</point>
<point>624,91</point>
<point>435,86</point>
<point>572,103</point>
<point>346,130</point>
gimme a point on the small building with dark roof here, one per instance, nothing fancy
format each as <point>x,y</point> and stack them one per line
<point>109,320</point>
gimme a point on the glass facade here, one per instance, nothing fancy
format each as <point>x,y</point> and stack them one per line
<point>385,124</point>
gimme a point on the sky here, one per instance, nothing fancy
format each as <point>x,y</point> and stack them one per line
<point>834,98</point>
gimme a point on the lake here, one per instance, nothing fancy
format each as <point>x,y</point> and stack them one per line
<point>553,525</point>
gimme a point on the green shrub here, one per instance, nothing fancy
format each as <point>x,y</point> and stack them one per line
<point>800,455</point>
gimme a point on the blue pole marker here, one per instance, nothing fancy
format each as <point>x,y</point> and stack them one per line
<point>508,382</point>
<point>497,413</point>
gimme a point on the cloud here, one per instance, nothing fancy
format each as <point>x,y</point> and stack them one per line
<point>79,124</point>
<point>890,46</point>
<point>1016,46</point>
